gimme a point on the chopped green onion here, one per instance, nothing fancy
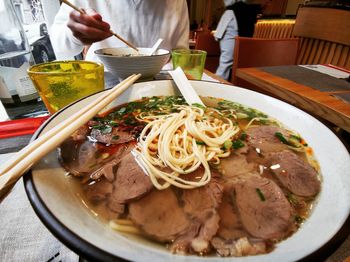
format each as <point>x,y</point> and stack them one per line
<point>106,129</point>
<point>243,136</point>
<point>298,138</point>
<point>227,144</point>
<point>294,141</point>
<point>260,194</point>
<point>299,219</point>
<point>241,116</point>
<point>280,136</point>
<point>122,110</point>
<point>113,123</point>
<point>201,143</point>
<point>198,105</point>
<point>237,144</point>
<point>292,199</point>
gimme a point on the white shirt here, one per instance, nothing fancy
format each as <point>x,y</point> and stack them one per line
<point>140,22</point>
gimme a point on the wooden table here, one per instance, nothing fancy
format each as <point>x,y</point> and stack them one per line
<point>216,77</point>
<point>318,103</point>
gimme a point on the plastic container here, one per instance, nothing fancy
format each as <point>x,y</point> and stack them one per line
<point>15,58</point>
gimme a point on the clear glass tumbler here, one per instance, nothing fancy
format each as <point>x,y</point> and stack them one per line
<point>191,62</point>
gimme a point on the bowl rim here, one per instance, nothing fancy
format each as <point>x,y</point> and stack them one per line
<point>89,251</point>
<point>129,57</point>
<point>60,231</point>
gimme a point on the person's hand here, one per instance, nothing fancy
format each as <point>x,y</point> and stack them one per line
<point>88,27</point>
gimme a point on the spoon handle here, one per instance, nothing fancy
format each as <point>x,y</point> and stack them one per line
<point>155,46</point>
<point>185,87</point>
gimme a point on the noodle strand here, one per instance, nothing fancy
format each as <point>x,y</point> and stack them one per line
<point>177,144</point>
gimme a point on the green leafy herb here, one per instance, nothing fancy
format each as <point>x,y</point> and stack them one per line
<point>105,129</point>
<point>198,105</point>
<point>116,137</point>
<point>200,143</point>
<point>111,123</point>
<point>130,121</point>
<point>122,110</point>
<point>280,136</point>
<point>299,219</point>
<point>292,199</point>
<point>237,144</point>
<point>242,112</point>
<point>228,144</point>
<point>293,140</point>
<point>98,119</point>
<point>243,136</point>
<point>298,138</point>
<point>260,194</point>
<point>296,141</point>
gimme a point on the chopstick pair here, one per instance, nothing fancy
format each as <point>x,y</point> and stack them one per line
<point>112,32</point>
<point>12,170</point>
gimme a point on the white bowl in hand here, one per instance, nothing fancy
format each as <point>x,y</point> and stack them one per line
<point>124,61</point>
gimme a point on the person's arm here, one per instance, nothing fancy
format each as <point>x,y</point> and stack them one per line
<point>65,45</point>
<point>71,31</point>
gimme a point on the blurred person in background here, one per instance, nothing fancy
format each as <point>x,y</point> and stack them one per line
<point>238,19</point>
<point>140,22</point>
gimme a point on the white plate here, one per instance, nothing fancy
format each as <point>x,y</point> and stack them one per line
<point>62,211</point>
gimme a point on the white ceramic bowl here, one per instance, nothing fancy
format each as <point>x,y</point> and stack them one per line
<point>62,211</point>
<point>124,61</point>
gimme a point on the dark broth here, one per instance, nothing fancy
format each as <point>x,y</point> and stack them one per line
<point>124,117</point>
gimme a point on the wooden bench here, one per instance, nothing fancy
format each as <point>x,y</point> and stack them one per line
<point>274,28</point>
<point>324,35</point>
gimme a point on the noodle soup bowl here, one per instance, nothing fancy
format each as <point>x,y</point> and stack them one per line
<point>57,200</point>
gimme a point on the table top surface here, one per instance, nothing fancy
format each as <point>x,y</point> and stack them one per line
<point>324,98</point>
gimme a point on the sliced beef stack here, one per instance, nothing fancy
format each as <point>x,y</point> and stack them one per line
<point>131,183</point>
<point>242,211</point>
<point>186,218</point>
<point>115,137</point>
<point>294,173</point>
<point>264,139</point>
<point>254,212</point>
<point>264,210</point>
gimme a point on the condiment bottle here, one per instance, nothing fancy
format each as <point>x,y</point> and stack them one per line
<point>16,87</point>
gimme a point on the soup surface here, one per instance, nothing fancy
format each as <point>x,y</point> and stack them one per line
<point>223,179</point>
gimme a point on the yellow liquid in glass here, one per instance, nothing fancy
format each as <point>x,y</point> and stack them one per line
<point>61,83</point>
<point>191,62</point>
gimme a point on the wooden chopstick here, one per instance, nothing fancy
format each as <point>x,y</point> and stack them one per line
<point>5,168</point>
<point>12,170</point>
<point>73,6</point>
<point>123,40</point>
<point>112,32</point>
